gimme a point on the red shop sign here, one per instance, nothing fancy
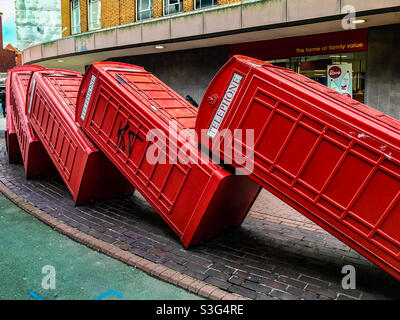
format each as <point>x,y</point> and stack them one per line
<point>320,44</point>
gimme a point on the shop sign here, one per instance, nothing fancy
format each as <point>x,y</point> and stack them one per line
<point>340,78</point>
<point>319,44</point>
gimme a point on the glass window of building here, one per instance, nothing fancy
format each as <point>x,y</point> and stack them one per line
<point>205,3</point>
<point>316,68</point>
<point>94,14</point>
<point>75,17</point>
<point>172,6</point>
<point>144,9</point>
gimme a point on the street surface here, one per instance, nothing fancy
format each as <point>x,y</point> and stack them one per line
<point>27,245</point>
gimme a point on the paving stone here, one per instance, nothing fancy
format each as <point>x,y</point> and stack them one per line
<point>174,266</point>
<point>287,271</point>
<point>283,295</point>
<point>218,283</point>
<point>302,294</point>
<point>218,274</point>
<point>343,297</point>
<point>176,259</point>
<point>197,275</point>
<point>355,293</point>
<point>157,252</point>
<point>242,291</point>
<point>316,282</point>
<point>195,267</point>
<point>321,291</point>
<point>101,236</point>
<point>262,296</point>
<point>236,280</point>
<point>132,235</point>
<point>201,261</point>
<point>274,284</point>
<point>126,239</point>
<point>83,228</point>
<point>256,273</point>
<point>222,268</point>
<point>292,282</point>
<point>256,287</point>
<point>122,245</point>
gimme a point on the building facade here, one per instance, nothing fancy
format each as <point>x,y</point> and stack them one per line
<point>80,16</point>
<point>18,54</point>
<point>185,42</point>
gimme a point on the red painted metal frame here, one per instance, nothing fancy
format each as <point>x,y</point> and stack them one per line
<point>50,107</point>
<point>36,161</point>
<point>117,106</point>
<point>332,158</point>
<point>14,154</point>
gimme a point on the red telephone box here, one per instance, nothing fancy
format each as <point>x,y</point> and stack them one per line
<point>332,158</point>
<point>118,105</point>
<point>14,154</point>
<point>35,159</point>
<point>50,107</point>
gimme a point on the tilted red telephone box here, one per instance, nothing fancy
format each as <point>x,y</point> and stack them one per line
<point>50,107</point>
<point>14,154</point>
<point>36,161</point>
<point>332,158</point>
<point>118,105</point>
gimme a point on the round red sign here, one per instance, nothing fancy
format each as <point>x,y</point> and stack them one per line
<point>334,72</point>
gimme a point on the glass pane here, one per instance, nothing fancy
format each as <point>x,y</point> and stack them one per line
<point>205,3</point>
<point>75,17</point>
<point>145,9</point>
<point>173,6</point>
<point>94,14</point>
<point>316,67</point>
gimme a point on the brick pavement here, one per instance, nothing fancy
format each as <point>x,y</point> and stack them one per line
<point>276,253</point>
<point>272,209</point>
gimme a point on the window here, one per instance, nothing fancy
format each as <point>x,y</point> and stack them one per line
<point>75,17</point>
<point>172,6</point>
<point>316,68</point>
<point>144,9</point>
<point>205,3</point>
<point>94,14</point>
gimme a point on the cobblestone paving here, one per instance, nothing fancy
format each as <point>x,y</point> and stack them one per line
<point>276,253</point>
<point>272,209</point>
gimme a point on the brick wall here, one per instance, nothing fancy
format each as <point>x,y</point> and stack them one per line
<point>117,12</point>
<point>157,8</point>
<point>128,11</point>
<point>223,2</point>
<point>84,15</point>
<point>7,60</point>
<point>188,5</point>
<point>110,13</point>
<point>18,54</point>
<point>66,17</point>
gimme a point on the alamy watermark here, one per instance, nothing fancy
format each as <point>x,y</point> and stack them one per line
<point>349,280</point>
<point>235,147</point>
<point>49,283</point>
<point>349,18</point>
<point>49,280</point>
